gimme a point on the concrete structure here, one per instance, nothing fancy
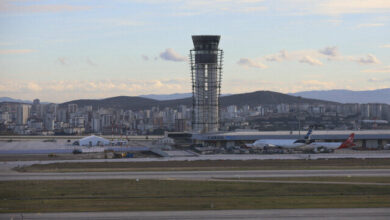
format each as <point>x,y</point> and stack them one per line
<point>206,69</point>
<point>366,139</point>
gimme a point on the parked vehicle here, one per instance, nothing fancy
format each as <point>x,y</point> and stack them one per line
<point>76,151</point>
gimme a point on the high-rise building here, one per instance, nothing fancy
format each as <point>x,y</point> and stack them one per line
<point>22,114</point>
<point>72,108</point>
<point>206,70</point>
<point>36,108</point>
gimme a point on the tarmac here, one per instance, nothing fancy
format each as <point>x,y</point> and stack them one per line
<point>359,155</point>
<point>292,214</point>
<point>191,175</point>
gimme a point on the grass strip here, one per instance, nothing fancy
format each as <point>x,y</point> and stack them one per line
<point>146,195</point>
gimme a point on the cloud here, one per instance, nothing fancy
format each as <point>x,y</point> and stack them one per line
<point>33,86</point>
<point>251,9</point>
<point>313,57</point>
<point>330,51</point>
<point>310,60</point>
<point>376,80</point>
<point>90,62</point>
<point>235,85</point>
<point>309,56</point>
<point>282,55</point>
<point>332,8</point>
<point>337,7</point>
<point>251,63</point>
<point>62,90</point>
<point>198,7</point>
<point>122,22</point>
<point>316,84</point>
<point>63,60</point>
<point>334,21</point>
<point>16,51</point>
<point>7,6</point>
<point>369,59</point>
<point>171,55</point>
<point>385,69</point>
<point>369,25</point>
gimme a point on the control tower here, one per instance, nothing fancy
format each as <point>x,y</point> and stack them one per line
<point>206,71</point>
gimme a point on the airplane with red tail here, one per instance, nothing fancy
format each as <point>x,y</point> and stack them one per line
<point>331,146</point>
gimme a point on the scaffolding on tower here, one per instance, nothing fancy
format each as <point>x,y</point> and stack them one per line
<point>206,75</point>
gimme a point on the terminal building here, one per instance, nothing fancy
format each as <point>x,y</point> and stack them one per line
<point>206,73</point>
<point>364,139</point>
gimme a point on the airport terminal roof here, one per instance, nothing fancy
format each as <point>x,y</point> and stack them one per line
<point>324,135</point>
<point>93,140</point>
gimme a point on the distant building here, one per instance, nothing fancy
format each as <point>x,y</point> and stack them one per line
<point>72,108</point>
<point>23,111</point>
<point>283,108</point>
<point>36,108</point>
<point>93,141</point>
<point>181,125</point>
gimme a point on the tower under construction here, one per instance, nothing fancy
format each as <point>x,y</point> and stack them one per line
<point>206,71</point>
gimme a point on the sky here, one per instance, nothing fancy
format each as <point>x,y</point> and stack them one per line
<point>61,50</point>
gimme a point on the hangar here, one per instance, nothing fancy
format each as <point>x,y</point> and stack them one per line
<point>365,139</point>
<point>93,141</point>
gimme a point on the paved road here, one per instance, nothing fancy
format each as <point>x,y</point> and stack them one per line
<point>356,214</point>
<point>200,175</point>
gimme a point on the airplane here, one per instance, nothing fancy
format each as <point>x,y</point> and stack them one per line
<point>331,146</point>
<point>281,143</point>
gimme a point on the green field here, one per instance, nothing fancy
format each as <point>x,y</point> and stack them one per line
<point>211,165</point>
<point>131,195</point>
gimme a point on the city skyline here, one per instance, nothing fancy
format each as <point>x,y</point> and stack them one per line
<point>62,50</point>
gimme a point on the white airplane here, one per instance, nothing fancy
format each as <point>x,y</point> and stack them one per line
<point>331,146</point>
<point>280,143</point>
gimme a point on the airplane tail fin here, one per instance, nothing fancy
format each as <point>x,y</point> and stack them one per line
<point>348,143</point>
<point>307,136</point>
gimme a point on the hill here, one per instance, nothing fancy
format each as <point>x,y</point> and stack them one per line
<point>8,99</point>
<point>265,97</point>
<point>349,96</point>
<point>162,97</point>
<point>138,103</point>
<point>119,102</point>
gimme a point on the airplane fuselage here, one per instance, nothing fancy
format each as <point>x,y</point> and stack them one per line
<point>328,145</point>
<point>282,143</point>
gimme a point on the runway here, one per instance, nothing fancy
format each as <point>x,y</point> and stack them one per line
<point>356,214</point>
<point>7,165</point>
<point>190,175</point>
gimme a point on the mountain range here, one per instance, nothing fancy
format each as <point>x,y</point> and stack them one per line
<point>8,99</point>
<point>138,103</point>
<point>167,96</point>
<point>348,96</point>
<point>171,96</point>
<point>253,98</point>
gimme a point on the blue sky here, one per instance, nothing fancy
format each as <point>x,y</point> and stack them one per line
<point>64,50</point>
